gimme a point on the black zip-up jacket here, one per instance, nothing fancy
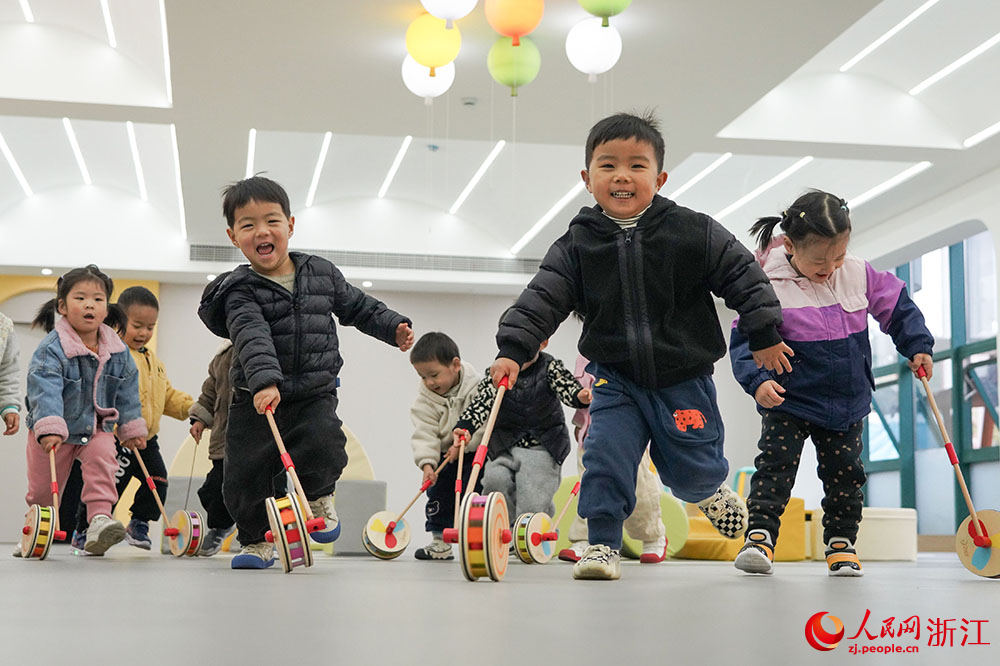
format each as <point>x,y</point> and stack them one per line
<point>645,294</point>
<point>290,339</point>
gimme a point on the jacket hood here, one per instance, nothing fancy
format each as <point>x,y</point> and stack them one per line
<point>108,341</point>
<point>775,261</point>
<point>594,217</point>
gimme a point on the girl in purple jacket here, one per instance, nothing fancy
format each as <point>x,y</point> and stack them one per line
<point>826,296</point>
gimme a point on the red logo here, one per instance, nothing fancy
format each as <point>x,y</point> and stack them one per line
<point>688,417</point>
<point>819,637</point>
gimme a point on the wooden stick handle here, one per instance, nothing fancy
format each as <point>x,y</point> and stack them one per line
<point>424,486</point>
<point>458,482</point>
<point>287,461</point>
<point>152,487</point>
<point>55,485</point>
<point>569,499</point>
<point>477,463</point>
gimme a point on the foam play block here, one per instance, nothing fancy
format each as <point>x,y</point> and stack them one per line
<point>705,543</point>
<point>885,533</point>
<point>356,501</point>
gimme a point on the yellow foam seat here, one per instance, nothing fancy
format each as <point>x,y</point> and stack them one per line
<point>705,543</point>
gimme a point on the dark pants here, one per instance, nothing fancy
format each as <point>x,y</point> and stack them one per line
<point>314,438</point>
<point>69,497</point>
<point>840,470</point>
<point>440,508</point>
<point>210,495</point>
<point>143,505</point>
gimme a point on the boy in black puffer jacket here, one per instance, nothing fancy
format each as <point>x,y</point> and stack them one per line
<point>277,311</point>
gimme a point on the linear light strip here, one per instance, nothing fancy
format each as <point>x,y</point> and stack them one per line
<point>968,57</point>
<point>763,188</point>
<point>5,149</point>
<point>548,217</point>
<point>177,179</point>
<point>477,176</point>
<point>251,149</point>
<point>76,151</point>
<point>704,172</point>
<point>319,168</point>
<point>26,9</point>
<point>395,166</point>
<point>135,160</point>
<point>108,25</point>
<point>888,35</point>
<point>888,185</point>
<point>166,53</point>
<point>982,135</point>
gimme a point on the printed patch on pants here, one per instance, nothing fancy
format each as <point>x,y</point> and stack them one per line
<point>432,509</point>
<point>600,382</point>
<point>689,417</point>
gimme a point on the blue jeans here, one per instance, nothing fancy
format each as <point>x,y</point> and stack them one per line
<point>684,430</point>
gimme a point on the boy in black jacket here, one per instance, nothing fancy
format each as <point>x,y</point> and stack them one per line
<point>277,311</point>
<point>641,270</point>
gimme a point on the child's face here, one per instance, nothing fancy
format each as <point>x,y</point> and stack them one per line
<point>436,376</point>
<point>261,231</point>
<point>623,176</point>
<point>818,258</point>
<point>140,326</point>
<point>85,307</point>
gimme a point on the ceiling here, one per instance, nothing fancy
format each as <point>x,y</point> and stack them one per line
<point>753,80</point>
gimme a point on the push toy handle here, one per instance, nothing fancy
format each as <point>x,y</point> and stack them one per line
<point>286,460</point>
<point>424,486</point>
<point>554,534</point>
<point>458,479</point>
<point>169,530</point>
<point>57,533</point>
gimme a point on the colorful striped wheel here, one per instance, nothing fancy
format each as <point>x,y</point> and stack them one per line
<point>529,545</point>
<point>189,526</point>
<point>288,528</point>
<point>37,535</point>
<point>382,542</point>
<point>484,535</point>
<point>979,560</point>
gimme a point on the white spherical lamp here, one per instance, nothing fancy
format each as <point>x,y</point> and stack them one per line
<point>592,48</point>
<point>420,82</point>
<point>449,10</point>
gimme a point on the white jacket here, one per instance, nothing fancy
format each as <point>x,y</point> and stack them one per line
<point>10,378</point>
<point>434,417</point>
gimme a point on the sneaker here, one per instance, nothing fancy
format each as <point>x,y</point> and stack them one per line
<point>436,550</point>
<point>726,511</point>
<point>17,550</point>
<point>212,543</point>
<point>842,559</point>
<point>654,551</point>
<point>258,555</point>
<point>137,534</point>
<point>102,533</point>
<point>323,508</point>
<point>757,554</point>
<point>599,562</point>
<point>78,541</point>
<point>574,552</point>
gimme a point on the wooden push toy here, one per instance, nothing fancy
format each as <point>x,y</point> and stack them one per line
<point>387,535</point>
<point>41,523</point>
<point>483,531</point>
<point>290,517</point>
<point>535,534</point>
<point>185,533</point>
<point>977,541</point>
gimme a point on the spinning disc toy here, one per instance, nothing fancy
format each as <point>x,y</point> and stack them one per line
<point>535,534</point>
<point>41,523</point>
<point>386,535</point>
<point>977,541</point>
<point>180,540</point>
<point>290,517</point>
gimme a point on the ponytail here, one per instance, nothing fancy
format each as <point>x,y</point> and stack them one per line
<point>116,318</point>
<point>763,229</point>
<point>814,215</point>
<point>45,318</point>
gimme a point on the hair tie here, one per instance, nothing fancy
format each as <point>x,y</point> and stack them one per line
<point>802,215</point>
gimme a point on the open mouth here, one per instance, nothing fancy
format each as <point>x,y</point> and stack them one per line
<point>265,249</point>
<point>89,317</point>
<point>622,195</point>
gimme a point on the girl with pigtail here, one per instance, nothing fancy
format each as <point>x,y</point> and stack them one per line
<point>826,296</point>
<point>82,384</point>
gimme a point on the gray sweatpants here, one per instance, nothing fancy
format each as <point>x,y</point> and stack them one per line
<point>527,476</point>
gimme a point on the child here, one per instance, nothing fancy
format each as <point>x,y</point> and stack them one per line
<point>158,397</point>
<point>826,296</point>
<point>645,523</point>
<point>641,270</point>
<point>10,406</point>
<point>277,311</point>
<point>82,383</point>
<point>447,386</point>
<point>530,439</point>
<point>211,410</point>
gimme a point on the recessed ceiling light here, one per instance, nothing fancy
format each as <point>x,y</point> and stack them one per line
<point>26,10</point>
<point>210,277</point>
<point>888,35</point>
<point>46,271</point>
<point>477,176</point>
<point>76,151</point>
<point>395,166</point>
<point>366,284</point>
<point>319,168</point>
<point>140,180</point>
<point>5,149</point>
<point>548,217</point>
<point>967,58</point>
<point>763,188</point>
<point>704,172</point>
<point>177,179</point>
<point>166,53</point>
<point>108,25</point>
<point>251,149</point>
<point>888,185</point>
<point>982,135</point>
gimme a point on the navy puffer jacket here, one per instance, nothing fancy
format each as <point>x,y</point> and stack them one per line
<point>290,339</point>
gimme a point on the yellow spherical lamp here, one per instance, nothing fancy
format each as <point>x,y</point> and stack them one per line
<point>513,66</point>
<point>430,43</point>
<point>605,8</point>
<point>514,18</point>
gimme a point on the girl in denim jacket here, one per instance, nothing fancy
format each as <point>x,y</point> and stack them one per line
<point>82,383</point>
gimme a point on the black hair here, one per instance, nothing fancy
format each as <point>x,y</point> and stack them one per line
<point>815,213</point>
<point>434,346</point>
<point>46,315</point>
<point>255,188</point>
<point>137,296</point>
<point>641,127</point>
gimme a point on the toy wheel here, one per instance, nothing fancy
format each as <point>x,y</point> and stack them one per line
<point>496,547</point>
<point>470,537</point>
<point>289,530</point>
<point>189,528</point>
<point>521,537</point>
<point>38,534</point>
<point>380,542</point>
<point>980,561</point>
<point>539,550</point>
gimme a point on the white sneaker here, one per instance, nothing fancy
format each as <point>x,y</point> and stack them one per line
<point>757,554</point>
<point>323,508</point>
<point>654,552</point>
<point>102,533</point>
<point>599,562</point>
<point>436,550</point>
<point>726,511</point>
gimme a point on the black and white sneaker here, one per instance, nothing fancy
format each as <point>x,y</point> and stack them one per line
<point>757,554</point>
<point>842,559</point>
<point>726,511</point>
<point>599,562</point>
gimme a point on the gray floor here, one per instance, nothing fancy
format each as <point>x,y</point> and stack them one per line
<point>136,607</point>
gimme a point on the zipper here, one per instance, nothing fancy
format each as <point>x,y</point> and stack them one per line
<point>296,309</point>
<point>633,332</point>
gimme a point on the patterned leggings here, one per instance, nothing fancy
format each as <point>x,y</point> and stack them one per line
<point>840,470</point>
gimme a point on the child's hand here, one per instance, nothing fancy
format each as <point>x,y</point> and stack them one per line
<point>429,474</point>
<point>504,367</point>
<point>404,336</point>
<point>50,442</point>
<point>13,421</point>
<point>266,397</point>
<point>774,358</point>
<point>459,437</point>
<point>915,363</point>
<point>196,429</point>
<point>585,396</point>
<point>767,394</point>
<point>135,443</point>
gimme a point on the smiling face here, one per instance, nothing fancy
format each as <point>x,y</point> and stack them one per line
<point>623,176</point>
<point>85,307</point>
<point>261,231</point>
<point>436,376</point>
<point>140,326</point>
<point>818,258</point>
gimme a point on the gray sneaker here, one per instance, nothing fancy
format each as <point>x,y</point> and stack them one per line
<point>435,550</point>
<point>102,533</point>
<point>212,543</point>
<point>726,511</point>
<point>599,562</point>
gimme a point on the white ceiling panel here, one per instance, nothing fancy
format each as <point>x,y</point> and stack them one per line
<point>288,158</point>
<point>42,149</point>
